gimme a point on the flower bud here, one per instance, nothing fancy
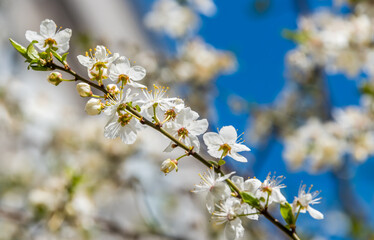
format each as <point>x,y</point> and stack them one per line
<point>94,106</point>
<point>84,90</point>
<point>112,88</point>
<point>169,165</point>
<point>55,78</point>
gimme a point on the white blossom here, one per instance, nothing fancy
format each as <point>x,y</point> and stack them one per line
<point>303,201</point>
<point>48,37</point>
<point>225,144</point>
<point>121,70</point>
<point>229,212</point>
<point>186,128</point>
<point>122,123</point>
<point>98,63</point>
<point>214,184</point>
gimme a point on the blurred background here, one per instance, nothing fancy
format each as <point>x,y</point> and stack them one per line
<point>295,76</point>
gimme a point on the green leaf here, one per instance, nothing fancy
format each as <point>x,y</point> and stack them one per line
<point>287,214</point>
<point>250,199</point>
<point>31,51</point>
<point>40,68</point>
<point>138,108</point>
<point>57,56</point>
<point>63,57</point>
<point>22,50</point>
<point>221,162</point>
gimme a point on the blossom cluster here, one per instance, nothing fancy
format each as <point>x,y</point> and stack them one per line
<point>335,43</point>
<point>226,208</point>
<point>176,18</point>
<point>130,107</point>
<point>318,145</point>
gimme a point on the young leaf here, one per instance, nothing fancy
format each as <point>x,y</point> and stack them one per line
<point>63,57</point>
<point>287,214</point>
<point>22,50</point>
<point>250,199</point>
<point>31,51</point>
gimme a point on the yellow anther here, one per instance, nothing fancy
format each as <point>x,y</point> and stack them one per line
<point>86,54</point>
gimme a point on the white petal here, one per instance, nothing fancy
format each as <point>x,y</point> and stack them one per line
<point>239,181</point>
<point>212,138</point>
<point>215,153</point>
<point>48,28</point>
<point>228,134</point>
<point>251,185</point>
<point>128,134</point>
<point>234,229</point>
<point>31,36</point>
<point>100,53</point>
<point>85,61</point>
<point>136,85</point>
<point>137,73</point>
<point>123,62</point>
<point>194,141</point>
<point>112,128</point>
<point>210,203</point>
<point>277,196</point>
<point>63,48</point>
<point>62,37</point>
<point>198,127</point>
<point>314,213</point>
<point>240,147</point>
<point>237,157</point>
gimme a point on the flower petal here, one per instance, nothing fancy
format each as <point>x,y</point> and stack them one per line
<point>62,37</point>
<point>315,213</point>
<point>234,229</point>
<point>31,36</point>
<point>198,127</point>
<point>228,134</point>
<point>237,157</point>
<point>137,73</point>
<point>48,28</point>
<point>212,139</point>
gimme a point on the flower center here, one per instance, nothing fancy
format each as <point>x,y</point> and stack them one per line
<point>225,148</point>
<point>124,119</point>
<point>50,42</point>
<point>170,114</point>
<point>123,78</point>
<point>182,133</point>
<point>99,65</point>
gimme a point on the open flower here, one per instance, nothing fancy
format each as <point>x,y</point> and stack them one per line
<point>225,143</point>
<point>229,212</point>
<point>122,71</point>
<point>303,201</point>
<point>98,63</point>
<point>214,184</point>
<point>49,38</point>
<point>122,123</point>
<point>156,97</point>
<point>186,128</point>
